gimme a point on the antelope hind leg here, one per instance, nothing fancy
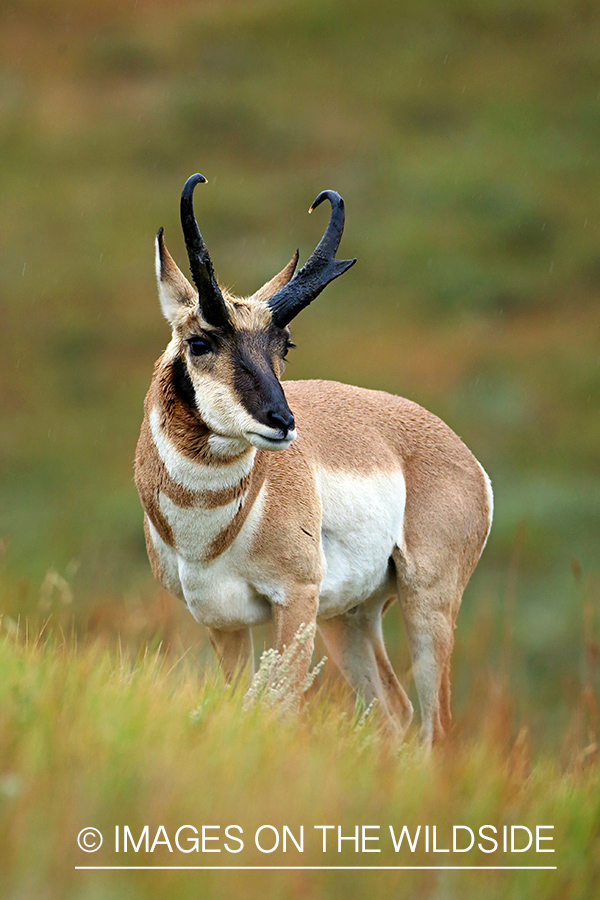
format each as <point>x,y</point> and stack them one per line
<point>355,642</point>
<point>429,623</point>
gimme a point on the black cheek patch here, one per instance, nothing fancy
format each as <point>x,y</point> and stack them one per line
<point>183,383</point>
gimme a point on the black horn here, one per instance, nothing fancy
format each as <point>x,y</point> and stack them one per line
<point>210,298</point>
<point>321,267</point>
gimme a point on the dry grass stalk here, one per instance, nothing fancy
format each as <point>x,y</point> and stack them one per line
<point>275,683</point>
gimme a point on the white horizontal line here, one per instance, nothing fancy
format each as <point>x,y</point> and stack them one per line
<point>313,868</point>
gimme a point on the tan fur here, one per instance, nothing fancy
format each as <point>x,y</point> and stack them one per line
<point>150,481</point>
<point>155,564</point>
<point>248,315</point>
<point>343,432</point>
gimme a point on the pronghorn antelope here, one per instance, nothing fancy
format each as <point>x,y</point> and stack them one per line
<point>320,505</point>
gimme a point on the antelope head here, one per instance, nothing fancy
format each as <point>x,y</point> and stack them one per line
<point>230,351</point>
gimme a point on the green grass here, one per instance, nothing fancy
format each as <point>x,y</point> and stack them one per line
<point>90,737</point>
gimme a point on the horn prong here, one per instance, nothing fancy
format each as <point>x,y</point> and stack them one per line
<point>321,267</point>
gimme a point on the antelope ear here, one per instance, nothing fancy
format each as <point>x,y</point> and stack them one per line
<point>175,292</point>
<point>278,281</point>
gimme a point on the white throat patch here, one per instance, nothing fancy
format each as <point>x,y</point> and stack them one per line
<point>197,476</point>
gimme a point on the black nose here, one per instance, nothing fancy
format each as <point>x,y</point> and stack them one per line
<point>282,420</point>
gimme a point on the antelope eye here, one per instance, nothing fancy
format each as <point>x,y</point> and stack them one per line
<point>198,346</point>
<point>289,346</point>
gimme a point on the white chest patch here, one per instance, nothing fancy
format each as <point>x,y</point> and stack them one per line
<point>195,528</point>
<point>362,522</point>
<point>224,593</point>
<point>227,592</point>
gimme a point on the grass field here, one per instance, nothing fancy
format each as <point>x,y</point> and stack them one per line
<point>463,137</point>
<point>90,738</point>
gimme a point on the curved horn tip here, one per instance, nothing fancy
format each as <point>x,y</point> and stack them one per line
<point>191,183</point>
<point>332,196</point>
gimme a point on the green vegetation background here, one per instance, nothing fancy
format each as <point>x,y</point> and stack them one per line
<point>464,138</point>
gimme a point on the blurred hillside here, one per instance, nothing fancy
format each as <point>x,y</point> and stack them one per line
<point>464,139</point>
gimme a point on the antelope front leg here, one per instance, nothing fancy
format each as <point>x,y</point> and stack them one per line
<point>299,609</point>
<point>234,650</point>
